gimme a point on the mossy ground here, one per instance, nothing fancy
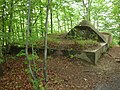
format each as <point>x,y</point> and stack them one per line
<point>59,41</point>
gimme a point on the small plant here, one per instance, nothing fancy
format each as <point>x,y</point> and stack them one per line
<point>1,60</point>
<point>27,71</point>
<point>38,84</point>
<point>71,56</point>
<point>85,42</point>
<point>21,53</point>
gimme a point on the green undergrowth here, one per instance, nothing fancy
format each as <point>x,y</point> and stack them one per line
<point>115,42</point>
<point>86,42</point>
<point>59,41</point>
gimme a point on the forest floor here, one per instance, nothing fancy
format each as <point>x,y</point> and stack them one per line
<point>67,73</point>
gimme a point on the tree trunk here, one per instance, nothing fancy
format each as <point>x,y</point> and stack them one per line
<point>71,24</point>
<point>21,27</point>
<point>41,19</point>
<point>3,30</point>
<point>87,9</point>
<point>51,15</point>
<point>3,21</point>
<point>11,16</point>
<point>58,23</point>
<point>27,34</point>
<point>65,21</point>
<point>45,51</point>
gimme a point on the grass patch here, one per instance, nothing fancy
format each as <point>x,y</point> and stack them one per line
<point>58,41</point>
<point>86,42</point>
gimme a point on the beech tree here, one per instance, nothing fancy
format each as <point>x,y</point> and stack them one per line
<point>45,40</point>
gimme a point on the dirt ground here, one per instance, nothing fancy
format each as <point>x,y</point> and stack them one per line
<point>73,74</point>
<point>68,73</point>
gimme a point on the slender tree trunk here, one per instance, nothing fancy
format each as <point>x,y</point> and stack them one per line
<point>11,16</point>
<point>23,24</point>
<point>87,9</point>
<point>97,22</point>
<point>3,20</point>
<point>37,32</point>
<point>34,63</point>
<point>71,24</point>
<point>3,30</point>
<point>45,51</point>
<point>51,21</point>
<point>27,34</point>
<point>58,22</point>
<point>33,54</point>
<point>10,25</point>
<point>21,27</point>
<point>65,21</point>
<point>51,17</point>
<point>41,19</point>
<point>68,25</point>
<point>65,26</point>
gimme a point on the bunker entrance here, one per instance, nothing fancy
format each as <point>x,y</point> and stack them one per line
<point>85,31</point>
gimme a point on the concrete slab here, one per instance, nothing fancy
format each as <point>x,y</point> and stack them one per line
<point>91,56</point>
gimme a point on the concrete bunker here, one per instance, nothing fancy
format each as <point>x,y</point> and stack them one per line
<point>84,42</point>
<point>85,30</point>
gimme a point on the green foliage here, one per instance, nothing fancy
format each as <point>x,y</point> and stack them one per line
<point>1,60</point>
<point>21,53</point>
<point>54,40</point>
<point>33,57</point>
<point>71,56</point>
<point>27,71</point>
<point>66,14</point>
<point>85,42</point>
<point>37,84</point>
<point>30,56</point>
<point>115,42</point>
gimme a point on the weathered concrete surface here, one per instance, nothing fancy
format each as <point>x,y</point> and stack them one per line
<point>88,24</point>
<point>108,37</point>
<point>85,30</point>
<point>93,55</point>
<point>85,27</point>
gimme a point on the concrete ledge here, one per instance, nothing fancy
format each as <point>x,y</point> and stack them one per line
<point>91,56</point>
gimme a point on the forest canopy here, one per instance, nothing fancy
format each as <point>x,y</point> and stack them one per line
<point>64,15</point>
